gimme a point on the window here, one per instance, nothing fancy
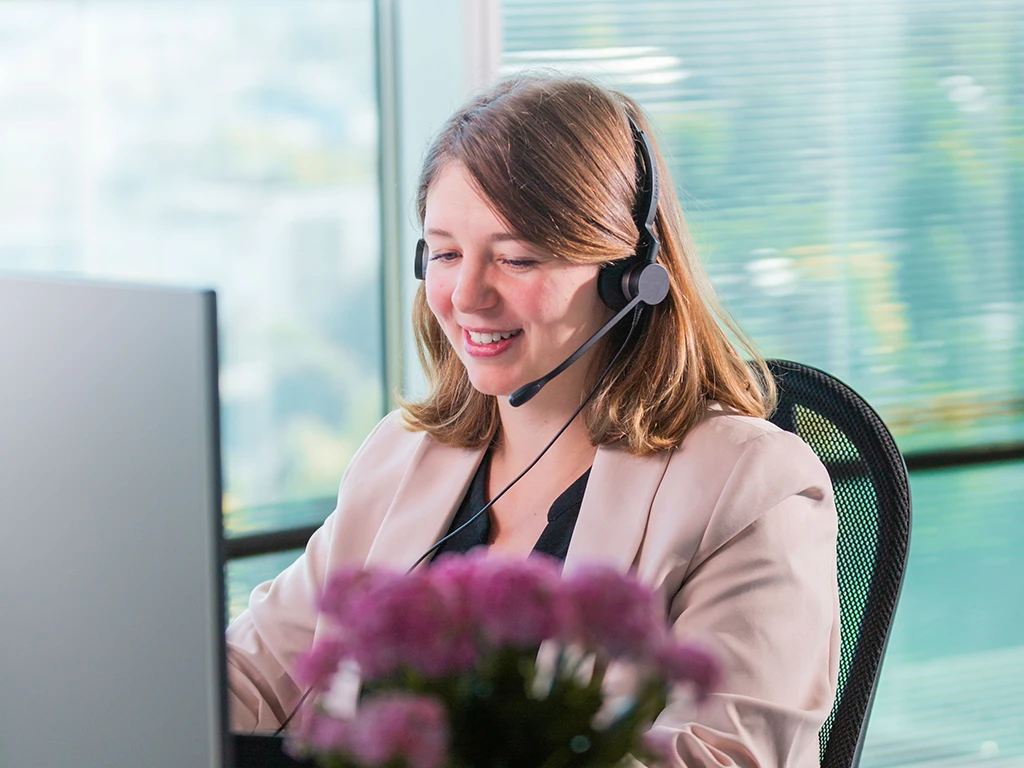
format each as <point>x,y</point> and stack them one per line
<point>222,144</point>
<point>853,176</point>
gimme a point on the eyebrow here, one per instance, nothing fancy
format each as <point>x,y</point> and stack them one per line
<point>497,237</point>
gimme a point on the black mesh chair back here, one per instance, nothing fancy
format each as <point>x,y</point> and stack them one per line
<point>873,501</point>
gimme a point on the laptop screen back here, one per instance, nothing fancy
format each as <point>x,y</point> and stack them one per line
<point>111,572</point>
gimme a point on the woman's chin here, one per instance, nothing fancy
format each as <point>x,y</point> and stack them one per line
<point>488,386</point>
<point>494,392</point>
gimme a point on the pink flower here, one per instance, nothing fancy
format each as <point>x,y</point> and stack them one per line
<point>519,602</point>
<point>317,667</point>
<point>316,731</point>
<point>456,576</point>
<point>323,733</point>
<point>344,587</point>
<point>614,612</point>
<point>440,621</point>
<point>407,620</point>
<point>395,726</point>
<point>689,663</point>
<point>388,728</point>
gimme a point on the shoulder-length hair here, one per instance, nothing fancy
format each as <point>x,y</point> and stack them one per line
<point>554,157</point>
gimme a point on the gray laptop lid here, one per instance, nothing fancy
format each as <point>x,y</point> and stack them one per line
<point>111,594</point>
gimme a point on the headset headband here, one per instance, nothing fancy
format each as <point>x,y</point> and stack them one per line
<point>618,281</point>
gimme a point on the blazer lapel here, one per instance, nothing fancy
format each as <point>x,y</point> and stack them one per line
<point>424,503</point>
<point>610,527</point>
<point>616,505</point>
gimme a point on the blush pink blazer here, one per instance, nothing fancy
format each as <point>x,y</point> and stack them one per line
<point>736,528</point>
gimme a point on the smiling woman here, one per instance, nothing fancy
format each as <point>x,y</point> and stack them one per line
<point>549,165</point>
<point>543,224</point>
<point>509,312</point>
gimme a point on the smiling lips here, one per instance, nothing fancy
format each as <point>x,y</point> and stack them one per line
<point>489,343</point>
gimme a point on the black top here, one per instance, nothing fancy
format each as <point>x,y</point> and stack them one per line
<point>553,541</point>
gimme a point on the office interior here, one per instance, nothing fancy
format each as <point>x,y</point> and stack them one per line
<point>852,173</point>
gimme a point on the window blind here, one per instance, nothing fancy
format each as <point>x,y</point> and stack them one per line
<point>853,173</point>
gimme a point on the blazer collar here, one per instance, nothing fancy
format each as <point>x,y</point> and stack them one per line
<point>609,529</point>
<point>424,503</point>
<point>616,505</point>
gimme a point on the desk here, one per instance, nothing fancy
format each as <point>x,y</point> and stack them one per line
<point>263,752</point>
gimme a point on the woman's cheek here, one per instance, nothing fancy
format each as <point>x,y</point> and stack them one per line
<point>439,300</point>
<point>439,303</point>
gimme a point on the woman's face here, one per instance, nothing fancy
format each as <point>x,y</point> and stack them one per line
<point>511,313</point>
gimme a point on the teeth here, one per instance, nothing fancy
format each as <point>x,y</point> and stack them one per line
<point>490,338</point>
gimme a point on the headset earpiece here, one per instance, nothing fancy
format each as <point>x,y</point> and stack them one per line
<point>639,275</point>
<point>612,281</point>
<point>422,256</point>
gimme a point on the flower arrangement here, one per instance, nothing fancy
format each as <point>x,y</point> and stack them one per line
<point>486,662</point>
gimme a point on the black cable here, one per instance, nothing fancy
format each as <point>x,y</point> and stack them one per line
<point>558,434</point>
<point>294,710</point>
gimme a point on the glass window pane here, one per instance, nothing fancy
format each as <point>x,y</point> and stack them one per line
<point>951,685</point>
<point>853,176</point>
<point>245,573</point>
<point>224,144</point>
<point>246,521</point>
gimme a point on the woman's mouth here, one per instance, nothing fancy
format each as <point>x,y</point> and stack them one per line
<point>489,343</point>
<point>489,337</point>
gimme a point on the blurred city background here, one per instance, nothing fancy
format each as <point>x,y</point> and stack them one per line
<point>852,172</point>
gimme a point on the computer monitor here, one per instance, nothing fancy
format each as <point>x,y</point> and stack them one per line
<point>111,567</point>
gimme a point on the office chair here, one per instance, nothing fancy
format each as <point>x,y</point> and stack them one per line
<point>873,501</point>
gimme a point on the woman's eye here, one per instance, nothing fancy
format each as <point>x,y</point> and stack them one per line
<point>444,256</point>
<point>521,263</point>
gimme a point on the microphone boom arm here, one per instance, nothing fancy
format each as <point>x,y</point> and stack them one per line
<point>526,392</point>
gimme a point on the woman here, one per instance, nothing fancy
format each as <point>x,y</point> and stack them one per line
<point>535,200</point>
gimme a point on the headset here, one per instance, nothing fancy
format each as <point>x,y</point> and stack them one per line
<point>639,275</point>
<point>623,285</point>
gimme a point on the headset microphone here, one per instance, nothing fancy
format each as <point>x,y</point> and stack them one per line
<point>625,284</point>
<point>652,288</point>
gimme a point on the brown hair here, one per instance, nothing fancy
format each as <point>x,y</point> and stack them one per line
<point>554,156</point>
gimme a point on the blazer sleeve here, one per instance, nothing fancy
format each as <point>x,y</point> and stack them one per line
<point>266,640</point>
<point>761,590</point>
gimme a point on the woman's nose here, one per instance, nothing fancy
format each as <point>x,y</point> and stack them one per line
<point>474,289</point>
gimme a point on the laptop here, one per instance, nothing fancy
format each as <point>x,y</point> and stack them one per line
<point>111,568</point>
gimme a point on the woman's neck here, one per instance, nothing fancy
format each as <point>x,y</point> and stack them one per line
<point>526,430</point>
